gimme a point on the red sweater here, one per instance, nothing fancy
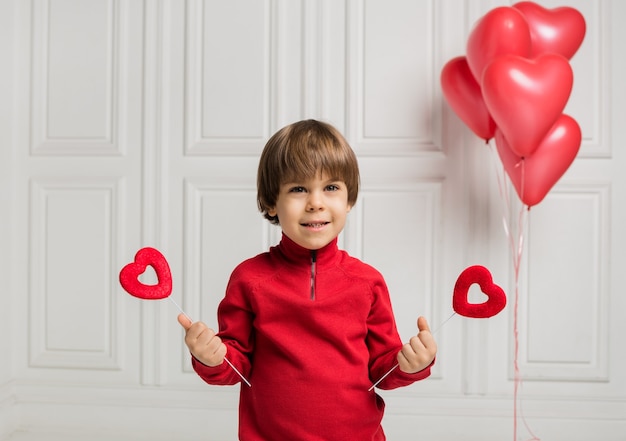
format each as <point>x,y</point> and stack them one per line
<point>311,331</point>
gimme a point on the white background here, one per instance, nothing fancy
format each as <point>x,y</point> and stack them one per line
<point>127,123</point>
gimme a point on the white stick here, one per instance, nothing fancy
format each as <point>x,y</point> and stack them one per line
<point>383,377</point>
<point>225,359</point>
<point>398,364</point>
<point>238,373</point>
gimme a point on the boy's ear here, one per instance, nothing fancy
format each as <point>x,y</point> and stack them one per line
<point>271,211</point>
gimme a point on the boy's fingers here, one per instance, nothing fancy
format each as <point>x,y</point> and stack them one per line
<point>184,321</point>
<point>422,324</point>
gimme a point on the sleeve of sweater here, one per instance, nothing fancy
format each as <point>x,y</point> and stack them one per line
<point>235,329</point>
<point>384,342</point>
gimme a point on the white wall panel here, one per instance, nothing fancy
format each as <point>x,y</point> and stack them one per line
<point>284,61</point>
<point>324,66</point>
<point>391,44</point>
<point>72,299</point>
<point>7,213</point>
<point>75,77</point>
<point>592,67</point>
<point>566,297</point>
<point>227,75</point>
<point>76,157</point>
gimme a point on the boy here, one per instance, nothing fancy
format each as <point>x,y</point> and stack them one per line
<point>310,326</point>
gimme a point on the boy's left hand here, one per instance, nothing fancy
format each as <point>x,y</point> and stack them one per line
<point>420,352</point>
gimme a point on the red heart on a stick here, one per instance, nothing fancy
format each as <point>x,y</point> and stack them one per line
<point>496,297</point>
<point>129,276</point>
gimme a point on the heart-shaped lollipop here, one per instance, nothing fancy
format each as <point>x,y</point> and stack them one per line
<point>129,279</point>
<point>496,297</point>
<point>129,275</point>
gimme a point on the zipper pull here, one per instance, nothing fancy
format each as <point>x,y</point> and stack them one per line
<point>313,264</point>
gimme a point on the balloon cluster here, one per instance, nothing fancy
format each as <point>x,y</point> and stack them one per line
<point>513,85</point>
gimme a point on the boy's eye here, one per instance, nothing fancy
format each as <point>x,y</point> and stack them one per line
<point>297,190</point>
<point>332,187</point>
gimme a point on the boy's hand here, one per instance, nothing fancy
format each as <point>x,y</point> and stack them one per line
<point>202,342</point>
<point>420,352</point>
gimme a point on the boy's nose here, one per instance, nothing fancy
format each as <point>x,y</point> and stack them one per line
<point>314,202</point>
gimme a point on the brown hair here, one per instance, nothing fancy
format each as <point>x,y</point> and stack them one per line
<point>300,151</point>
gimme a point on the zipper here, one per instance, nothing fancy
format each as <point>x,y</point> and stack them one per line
<point>313,265</point>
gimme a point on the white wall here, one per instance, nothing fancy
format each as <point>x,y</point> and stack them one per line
<point>131,123</point>
<point>6,292</point>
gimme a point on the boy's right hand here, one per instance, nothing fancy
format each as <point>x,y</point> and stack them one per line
<point>202,342</point>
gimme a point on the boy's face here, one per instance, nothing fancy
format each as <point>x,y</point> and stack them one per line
<point>312,212</point>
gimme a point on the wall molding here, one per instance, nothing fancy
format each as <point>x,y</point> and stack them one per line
<point>163,413</point>
<point>49,200</point>
<point>105,140</point>
<point>587,358</point>
<point>219,138</point>
<point>8,416</point>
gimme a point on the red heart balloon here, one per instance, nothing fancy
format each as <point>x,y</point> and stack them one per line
<point>129,275</point>
<point>496,300</point>
<point>462,92</point>
<point>525,97</point>
<point>559,30</point>
<point>501,31</point>
<point>535,175</point>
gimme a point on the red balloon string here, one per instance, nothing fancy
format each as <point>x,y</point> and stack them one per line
<point>516,244</point>
<point>517,252</point>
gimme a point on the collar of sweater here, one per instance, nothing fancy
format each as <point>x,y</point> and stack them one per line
<point>294,253</point>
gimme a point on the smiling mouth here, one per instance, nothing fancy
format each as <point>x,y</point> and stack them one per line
<point>315,224</point>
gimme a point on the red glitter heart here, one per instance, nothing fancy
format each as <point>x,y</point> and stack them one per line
<point>129,276</point>
<point>496,297</point>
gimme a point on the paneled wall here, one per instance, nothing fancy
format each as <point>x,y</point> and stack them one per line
<point>6,344</point>
<point>128,123</point>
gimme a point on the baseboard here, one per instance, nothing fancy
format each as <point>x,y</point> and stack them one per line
<point>48,412</point>
<point>7,410</point>
<point>478,418</point>
<point>133,413</point>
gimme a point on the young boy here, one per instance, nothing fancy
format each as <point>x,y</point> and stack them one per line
<point>310,327</point>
